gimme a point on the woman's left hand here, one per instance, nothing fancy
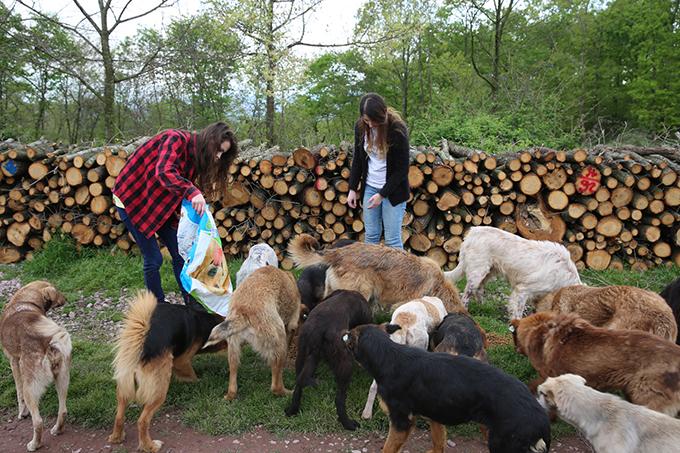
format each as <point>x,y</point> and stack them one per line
<point>374,201</point>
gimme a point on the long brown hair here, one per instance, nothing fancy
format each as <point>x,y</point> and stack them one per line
<point>374,107</point>
<point>212,173</point>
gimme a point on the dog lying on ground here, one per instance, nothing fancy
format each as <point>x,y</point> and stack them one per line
<point>264,312</point>
<point>644,367</point>
<point>448,390</point>
<point>610,424</point>
<point>416,321</point>
<point>459,334</point>
<point>671,295</point>
<point>39,352</point>
<point>259,255</point>
<point>379,273</point>
<point>615,307</point>
<point>321,338</point>
<point>533,268</point>
<point>156,340</point>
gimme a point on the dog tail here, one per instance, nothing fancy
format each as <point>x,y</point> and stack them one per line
<point>59,352</point>
<point>304,250</point>
<point>539,447</point>
<point>456,274</point>
<point>131,342</point>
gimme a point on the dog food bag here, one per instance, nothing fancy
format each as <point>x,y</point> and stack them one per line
<point>205,274</point>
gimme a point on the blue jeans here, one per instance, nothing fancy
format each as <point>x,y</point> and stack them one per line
<point>153,259</point>
<point>385,215</point>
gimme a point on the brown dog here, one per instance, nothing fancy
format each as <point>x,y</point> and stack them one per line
<point>644,367</point>
<point>615,307</point>
<point>38,350</point>
<point>377,272</point>
<point>264,311</point>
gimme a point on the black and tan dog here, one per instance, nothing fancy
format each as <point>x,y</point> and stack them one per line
<point>155,341</point>
<point>448,390</point>
<point>321,339</point>
<point>671,295</point>
<point>459,334</point>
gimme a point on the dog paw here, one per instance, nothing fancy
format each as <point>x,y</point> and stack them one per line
<point>23,413</point>
<point>350,424</point>
<point>116,438</point>
<point>367,414</point>
<point>152,448</point>
<point>56,430</point>
<point>290,411</point>
<point>230,396</point>
<point>33,445</point>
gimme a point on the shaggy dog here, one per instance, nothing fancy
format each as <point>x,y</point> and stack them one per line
<point>671,295</point>
<point>264,312</point>
<point>379,273</point>
<point>411,324</point>
<point>643,366</point>
<point>533,268</point>
<point>459,334</point>
<point>448,390</point>
<point>259,255</point>
<point>615,307</point>
<point>39,352</point>
<point>155,341</point>
<point>610,424</point>
<point>321,338</point>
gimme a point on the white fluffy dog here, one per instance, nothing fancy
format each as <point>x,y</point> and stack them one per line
<point>610,424</point>
<point>533,268</point>
<point>260,255</point>
<point>416,319</point>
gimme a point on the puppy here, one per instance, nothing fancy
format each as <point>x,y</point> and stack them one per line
<point>533,268</point>
<point>379,273</point>
<point>448,390</point>
<point>459,334</point>
<point>259,255</point>
<point>615,307</point>
<point>644,367</point>
<point>264,312</point>
<point>321,338</point>
<point>610,424</point>
<point>39,352</point>
<point>415,321</point>
<point>671,295</point>
<point>155,341</point>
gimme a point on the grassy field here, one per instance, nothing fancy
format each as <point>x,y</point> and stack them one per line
<point>82,273</point>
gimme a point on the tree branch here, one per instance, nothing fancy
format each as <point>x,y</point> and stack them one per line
<point>161,4</point>
<point>474,63</point>
<point>145,68</point>
<point>87,16</point>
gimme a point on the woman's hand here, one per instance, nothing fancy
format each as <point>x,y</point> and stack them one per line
<point>352,199</point>
<point>374,201</point>
<point>198,203</point>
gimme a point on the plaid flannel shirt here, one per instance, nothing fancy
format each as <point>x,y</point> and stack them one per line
<point>156,178</point>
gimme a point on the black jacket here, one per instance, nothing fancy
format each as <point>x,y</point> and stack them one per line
<point>396,183</point>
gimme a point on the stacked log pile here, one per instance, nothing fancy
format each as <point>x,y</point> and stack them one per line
<point>609,206</point>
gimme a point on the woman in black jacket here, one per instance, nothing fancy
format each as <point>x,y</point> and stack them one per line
<point>380,164</point>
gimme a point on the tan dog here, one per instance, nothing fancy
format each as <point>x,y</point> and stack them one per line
<point>610,424</point>
<point>644,367</point>
<point>379,273</point>
<point>615,307</point>
<point>39,352</point>
<point>264,311</point>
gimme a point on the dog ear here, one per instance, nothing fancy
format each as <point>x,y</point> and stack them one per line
<point>391,328</point>
<point>51,297</point>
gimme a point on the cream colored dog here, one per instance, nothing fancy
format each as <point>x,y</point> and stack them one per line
<point>417,319</point>
<point>610,424</point>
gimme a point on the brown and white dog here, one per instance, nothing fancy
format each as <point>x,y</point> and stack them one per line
<point>379,273</point>
<point>644,367</point>
<point>610,424</point>
<point>39,352</point>
<point>615,307</point>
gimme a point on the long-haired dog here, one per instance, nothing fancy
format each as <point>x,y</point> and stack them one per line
<point>264,312</point>
<point>321,339</point>
<point>39,352</point>
<point>415,320</point>
<point>643,366</point>
<point>610,424</point>
<point>259,255</point>
<point>671,295</point>
<point>448,390</point>
<point>155,341</point>
<point>615,307</point>
<point>379,273</point>
<point>533,268</point>
<point>459,334</point>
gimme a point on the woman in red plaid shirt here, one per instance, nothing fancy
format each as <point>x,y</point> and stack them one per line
<point>171,166</point>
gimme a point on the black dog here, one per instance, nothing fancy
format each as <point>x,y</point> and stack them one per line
<point>448,390</point>
<point>321,337</point>
<point>459,334</point>
<point>671,294</point>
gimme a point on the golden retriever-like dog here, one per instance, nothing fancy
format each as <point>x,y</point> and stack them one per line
<point>615,307</point>
<point>39,352</point>
<point>264,311</point>
<point>643,366</point>
<point>377,272</point>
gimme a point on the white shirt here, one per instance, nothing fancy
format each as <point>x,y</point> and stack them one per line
<point>377,167</point>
